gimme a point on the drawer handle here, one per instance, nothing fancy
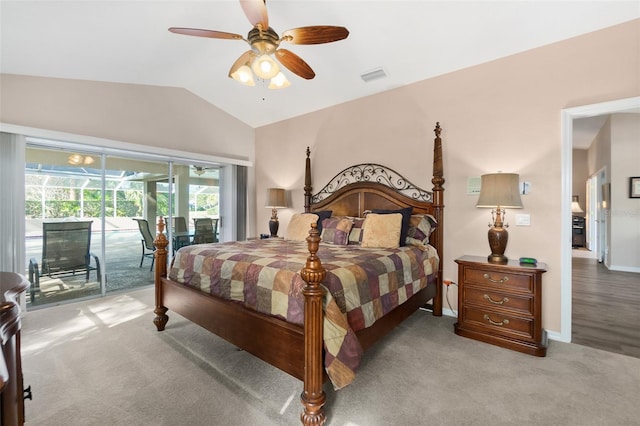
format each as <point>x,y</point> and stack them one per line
<point>500,281</point>
<point>496,302</point>
<point>503,322</point>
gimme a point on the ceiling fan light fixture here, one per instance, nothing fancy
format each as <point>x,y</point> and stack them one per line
<point>80,160</point>
<point>265,67</point>
<point>279,82</point>
<point>244,76</point>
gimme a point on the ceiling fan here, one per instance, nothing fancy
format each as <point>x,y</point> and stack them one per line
<point>200,170</point>
<point>265,43</point>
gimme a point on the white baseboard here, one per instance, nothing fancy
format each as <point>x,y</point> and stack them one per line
<point>449,313</point>
<point>624,268</point>
<point>554,335</point>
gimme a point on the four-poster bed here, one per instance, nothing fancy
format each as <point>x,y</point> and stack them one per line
<point>298,347</point>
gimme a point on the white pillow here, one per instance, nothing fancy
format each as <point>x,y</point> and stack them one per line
<point>300,225</point>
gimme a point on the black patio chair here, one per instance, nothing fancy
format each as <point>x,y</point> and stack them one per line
<point>179,224</point>
<point>206,230</point>
<point>148,248</point>
<point>65,250</point>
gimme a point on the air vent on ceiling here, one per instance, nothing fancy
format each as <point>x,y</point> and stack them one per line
<point>374,74</point>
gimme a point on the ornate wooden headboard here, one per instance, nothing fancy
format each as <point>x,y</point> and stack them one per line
<point>372,186</point>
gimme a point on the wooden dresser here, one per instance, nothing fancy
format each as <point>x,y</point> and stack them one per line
<point>501,304</point>
<point>11,385</point>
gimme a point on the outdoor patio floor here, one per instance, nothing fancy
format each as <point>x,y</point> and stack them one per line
<point>121,265</point>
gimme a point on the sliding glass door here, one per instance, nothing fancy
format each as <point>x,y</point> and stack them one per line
<point>91,219</point>
<point>136,193</point>
<point>63,211</point>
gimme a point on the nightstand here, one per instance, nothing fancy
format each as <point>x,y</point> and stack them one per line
<point>501,304</point>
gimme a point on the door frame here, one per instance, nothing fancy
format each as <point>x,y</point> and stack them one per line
<point>567,117</point>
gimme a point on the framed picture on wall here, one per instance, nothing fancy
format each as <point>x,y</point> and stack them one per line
<point>634,187</point>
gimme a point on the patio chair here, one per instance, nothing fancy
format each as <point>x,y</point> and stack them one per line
<point>148,248</point>
<point>65,250</point>
<point>206,230</point>
<point>179,224</point>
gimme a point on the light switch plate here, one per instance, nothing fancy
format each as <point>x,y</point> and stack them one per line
<point>473,185</point>
<point>523,219</point>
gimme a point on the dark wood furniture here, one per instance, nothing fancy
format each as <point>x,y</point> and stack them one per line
<point>578,232</point>
<point>11,383</point>
<point>292,348</point>
<point>501,304</point>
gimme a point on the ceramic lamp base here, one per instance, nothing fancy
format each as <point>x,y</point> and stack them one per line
<point>273,228</point>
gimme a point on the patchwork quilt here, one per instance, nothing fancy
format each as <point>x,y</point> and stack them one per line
<point>363,285</point>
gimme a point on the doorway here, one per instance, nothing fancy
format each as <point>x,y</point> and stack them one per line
<point>568,115</point>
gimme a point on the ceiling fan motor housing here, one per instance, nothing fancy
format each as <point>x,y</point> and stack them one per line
<point>263,42</point>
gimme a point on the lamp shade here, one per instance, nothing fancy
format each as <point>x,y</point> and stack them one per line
<point>575,205</point>
<point>500,189</point>
<point>275,198</point>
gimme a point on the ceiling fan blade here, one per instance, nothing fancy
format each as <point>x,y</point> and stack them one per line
<point>295,64</point>
<point>205,33</point>
<point>256,12</point>
<point>315,35</point>
<point>244,59</point>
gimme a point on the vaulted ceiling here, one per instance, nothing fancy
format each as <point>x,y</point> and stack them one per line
<point>128,42</point>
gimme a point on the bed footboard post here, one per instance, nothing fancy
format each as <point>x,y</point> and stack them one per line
<point>438,204</point>
<point>313,397</point>
<point>160,254</point>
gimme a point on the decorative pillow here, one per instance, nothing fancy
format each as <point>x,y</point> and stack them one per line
<point>322,215</point>
<point>406,217</point>
<point>336,230</point>
<point>299,226</point>
<point>355,236</point>
<point>420,228</point>
<point>382,230</point>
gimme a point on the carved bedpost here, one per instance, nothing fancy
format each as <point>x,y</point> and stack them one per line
<point>438,204</point>
<point>313,397</point>
<point>307,183</point>
<point>161,244</point>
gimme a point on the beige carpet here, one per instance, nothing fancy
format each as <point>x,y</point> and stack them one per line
<point>101,362</point>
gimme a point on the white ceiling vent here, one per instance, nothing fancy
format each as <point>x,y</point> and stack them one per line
<point>374,74</point>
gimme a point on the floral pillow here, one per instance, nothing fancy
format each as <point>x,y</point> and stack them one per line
<point>299,226</point>
<point>382,230</point>
<point>420,228</point>
<point>336,230</point>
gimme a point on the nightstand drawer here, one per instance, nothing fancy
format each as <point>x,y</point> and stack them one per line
<point>499,323</point>
<point>497,278</point>
<point>485,298</point>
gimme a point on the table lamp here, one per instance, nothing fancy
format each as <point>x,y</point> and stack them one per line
<point>575,205</point>
<point>499,191</point>
<point>275,201</point>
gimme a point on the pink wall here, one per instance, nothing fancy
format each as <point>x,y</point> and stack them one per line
<point>503,115</point>
<point>166,117</point>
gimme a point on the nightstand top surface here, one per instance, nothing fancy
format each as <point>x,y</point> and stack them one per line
<point>512,263</point>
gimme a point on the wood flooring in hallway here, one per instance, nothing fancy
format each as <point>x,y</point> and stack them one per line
<point>606,308</point>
